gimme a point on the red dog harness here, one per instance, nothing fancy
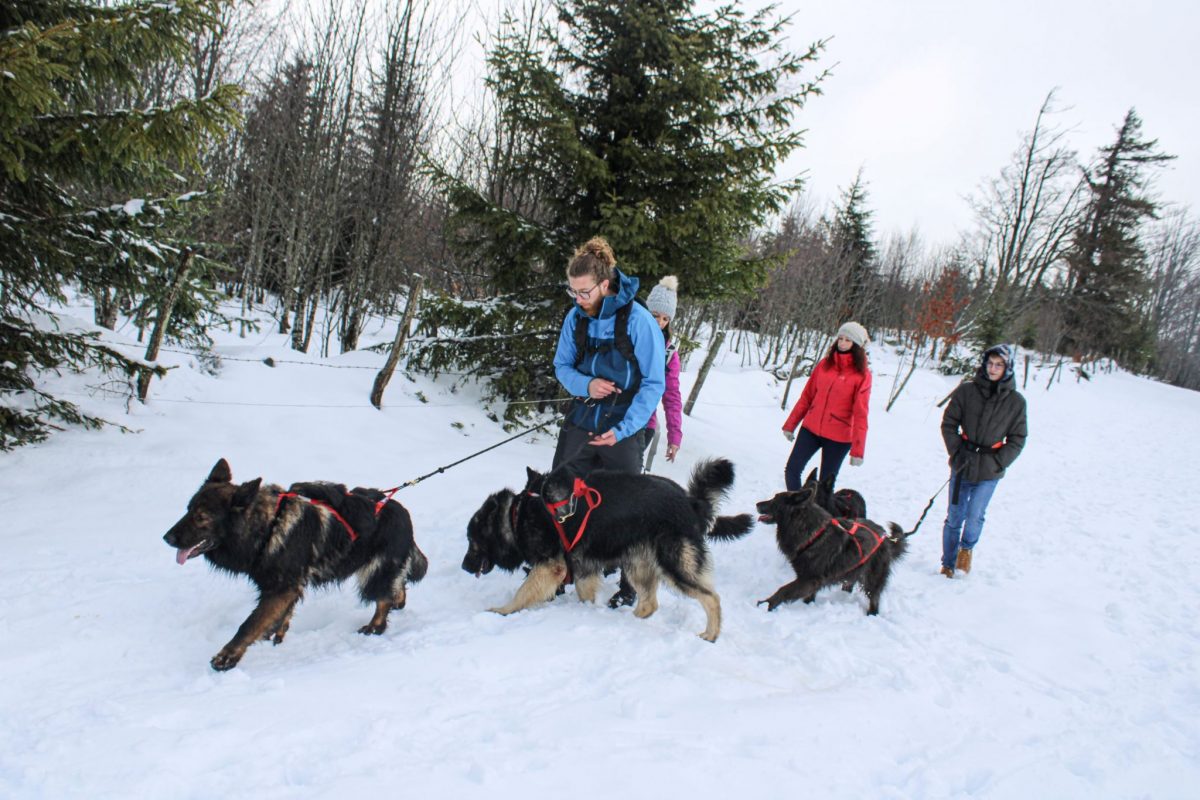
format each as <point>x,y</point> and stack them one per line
<point>854,527</point>
<point>593,498</point>
<point>322,504</point>
<point>349,530</point>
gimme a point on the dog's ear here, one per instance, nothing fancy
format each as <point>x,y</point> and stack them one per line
<point>220,473</point>
<point>245,494</point>
<point>812,476</point>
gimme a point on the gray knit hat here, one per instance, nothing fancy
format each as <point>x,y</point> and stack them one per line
<point>662,298</point>
<point>855,333</point>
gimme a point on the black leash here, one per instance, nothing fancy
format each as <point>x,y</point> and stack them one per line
<point>955,473</point>
<point>440,470</point>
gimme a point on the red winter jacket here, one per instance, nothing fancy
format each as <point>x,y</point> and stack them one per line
<point>834,403</point>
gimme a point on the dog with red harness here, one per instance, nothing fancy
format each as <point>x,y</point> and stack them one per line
<point>570,527</point>
<point>825,550</point>
<point>312,534</point>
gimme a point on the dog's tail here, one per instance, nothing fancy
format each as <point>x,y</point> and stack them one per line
<point>900,538</point>
<point>418,564</point>
<point>730,528</point>
<point>710,481</point>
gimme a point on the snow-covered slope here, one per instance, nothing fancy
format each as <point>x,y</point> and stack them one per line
<point>1065,665</point>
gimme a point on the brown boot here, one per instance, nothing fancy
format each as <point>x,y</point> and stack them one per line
<point>964,561</point>
<point>948,572</point>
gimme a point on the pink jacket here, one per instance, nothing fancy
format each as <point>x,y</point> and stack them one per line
<point>672,403</point>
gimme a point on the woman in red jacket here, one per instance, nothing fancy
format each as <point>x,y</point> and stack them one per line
<point>833,407</point>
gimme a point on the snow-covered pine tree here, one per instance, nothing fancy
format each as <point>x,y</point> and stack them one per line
<point>651,122</point>
<point>88,191</point>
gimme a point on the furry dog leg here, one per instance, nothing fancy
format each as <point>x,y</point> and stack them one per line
<point>587,587</point>
<point>270,612</point>
<point>788,593</point>
<point>710,601</point>
<point>280,629</point>
<point>378,623</point>
<point>643,577</point>
<point>539,586</point>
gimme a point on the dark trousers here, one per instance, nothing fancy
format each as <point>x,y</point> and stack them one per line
<point>807,443</point>
<point>573,449</point>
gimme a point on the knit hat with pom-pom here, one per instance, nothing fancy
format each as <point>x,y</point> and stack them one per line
<point>662,299</point>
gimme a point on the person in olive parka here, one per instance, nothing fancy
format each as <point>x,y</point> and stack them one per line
<point>984,429</point>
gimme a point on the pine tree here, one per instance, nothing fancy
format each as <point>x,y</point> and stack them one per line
<point>647,122</point>
<point>850,236</point>
<point>1107,261</point>
<point>74,179</point>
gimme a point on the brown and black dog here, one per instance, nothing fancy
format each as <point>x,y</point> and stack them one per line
<point>285,541</point>
<point>824,550</point>
<point>648,525</point>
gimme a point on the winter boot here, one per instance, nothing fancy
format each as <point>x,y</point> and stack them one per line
<point>948,572</point>
<point>964,561</point>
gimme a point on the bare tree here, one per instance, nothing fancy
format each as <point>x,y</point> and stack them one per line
<point>1025,217</point>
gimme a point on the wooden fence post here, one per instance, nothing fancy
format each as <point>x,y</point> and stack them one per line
<point>389,367</point>
<point>791,377</point>
<point>713,349</point>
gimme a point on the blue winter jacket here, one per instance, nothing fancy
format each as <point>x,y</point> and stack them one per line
<point>649,351</point>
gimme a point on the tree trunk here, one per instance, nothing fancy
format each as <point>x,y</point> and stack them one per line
<point>713,349</point>
<point>791,377</point>
<point>385,374</point>
<point>163,319</point>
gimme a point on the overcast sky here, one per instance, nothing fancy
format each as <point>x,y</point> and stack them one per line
<point>930,97</point>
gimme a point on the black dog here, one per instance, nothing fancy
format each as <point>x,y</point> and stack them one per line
<point>311,535</point>
<point>824,550</point>
<point>645,524</point>
<point>844,503</point>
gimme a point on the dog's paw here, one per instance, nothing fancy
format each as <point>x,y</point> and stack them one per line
<point>372,630</point>
<point>706,636</point>
<point>504,612</point>
<point>622,598</point>
<point>223,661</point>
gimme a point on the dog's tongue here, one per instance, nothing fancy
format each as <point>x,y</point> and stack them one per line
<point>183,554</point>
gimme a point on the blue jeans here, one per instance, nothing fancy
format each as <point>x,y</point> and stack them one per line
<point>964,521</point>
<point>807,444</point>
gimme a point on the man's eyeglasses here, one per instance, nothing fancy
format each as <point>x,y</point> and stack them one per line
<point>586,294</point>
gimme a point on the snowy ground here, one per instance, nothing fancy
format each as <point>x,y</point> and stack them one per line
<point>1065,665</point>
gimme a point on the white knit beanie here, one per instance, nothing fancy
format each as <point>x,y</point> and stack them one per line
<point>855,333</point>
<point>662,298</point>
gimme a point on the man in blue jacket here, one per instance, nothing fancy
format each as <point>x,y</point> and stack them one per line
<point>611,359</point>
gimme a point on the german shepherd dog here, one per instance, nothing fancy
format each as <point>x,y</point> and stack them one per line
<point>645,524</point>
<point>312,535</point>
<point>824,550</point>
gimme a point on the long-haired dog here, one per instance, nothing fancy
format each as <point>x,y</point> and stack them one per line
<point>647,525</point>
<point>825,550</point>
<point>311,535</point>
<point>844,503</point>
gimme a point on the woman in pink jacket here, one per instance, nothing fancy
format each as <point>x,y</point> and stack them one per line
<point>662,303</point>
<point>833,408</point>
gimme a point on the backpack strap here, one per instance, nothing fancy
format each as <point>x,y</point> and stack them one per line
<point>621,338</point>
<point>581,337</point>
